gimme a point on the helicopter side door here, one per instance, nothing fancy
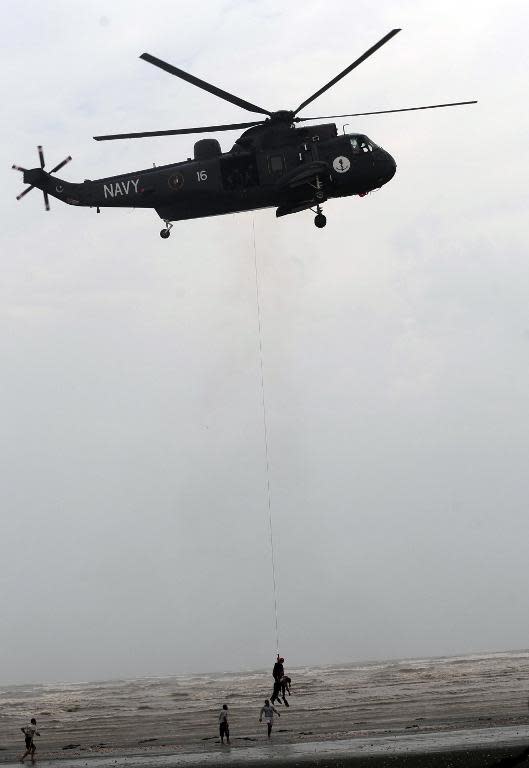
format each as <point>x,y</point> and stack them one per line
<point>307,151</point>
<point>276,162</point>
<point>274,166</point>
<point>286,160</point>
<point>239,172</point>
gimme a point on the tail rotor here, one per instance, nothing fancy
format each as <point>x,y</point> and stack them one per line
<point>42,164</point>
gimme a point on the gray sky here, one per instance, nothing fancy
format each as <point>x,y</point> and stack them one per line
<point>134,533</point>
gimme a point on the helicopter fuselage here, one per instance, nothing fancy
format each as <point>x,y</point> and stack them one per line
<point>273,163</point>
<point>274,166</point>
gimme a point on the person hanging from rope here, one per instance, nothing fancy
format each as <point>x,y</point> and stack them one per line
<point>268,711</point>
<point>278,673</point>
<point>285,689</point>
<point>281,690</point>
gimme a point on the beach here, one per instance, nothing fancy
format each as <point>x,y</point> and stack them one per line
<point>465,710</point>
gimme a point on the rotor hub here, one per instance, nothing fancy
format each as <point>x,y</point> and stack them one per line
<point>285,116</point>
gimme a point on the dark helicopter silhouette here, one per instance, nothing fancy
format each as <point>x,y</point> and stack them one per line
<point>274,163</point>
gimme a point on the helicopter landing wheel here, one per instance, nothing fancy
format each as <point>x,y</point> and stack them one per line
<point>167,231</point>
<point>319,220</point>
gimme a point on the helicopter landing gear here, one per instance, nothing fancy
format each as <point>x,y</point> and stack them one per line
<point>167,231</point>
<point>320,220</point>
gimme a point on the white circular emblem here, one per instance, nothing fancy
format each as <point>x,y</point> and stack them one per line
<point>341,164</point>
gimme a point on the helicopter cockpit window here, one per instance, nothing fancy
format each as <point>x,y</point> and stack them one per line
<point>360,144</point>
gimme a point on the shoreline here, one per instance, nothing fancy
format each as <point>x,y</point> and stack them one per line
<point>466,748</point>
<point>338,715</point>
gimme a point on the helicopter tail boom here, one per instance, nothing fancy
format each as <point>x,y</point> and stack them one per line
<point>53,186</point>
<point>116,191</point>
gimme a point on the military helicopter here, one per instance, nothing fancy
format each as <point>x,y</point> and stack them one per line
<point>273,163</point>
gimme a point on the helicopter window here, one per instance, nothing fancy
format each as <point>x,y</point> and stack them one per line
<point>238,171</point>
<point>360,144</point>
<point>276,163</point>
<point>365,145</point>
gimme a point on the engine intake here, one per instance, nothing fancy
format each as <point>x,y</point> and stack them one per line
<point>205,149</point>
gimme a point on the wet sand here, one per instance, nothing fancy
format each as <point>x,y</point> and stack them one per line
<point>426,712</point>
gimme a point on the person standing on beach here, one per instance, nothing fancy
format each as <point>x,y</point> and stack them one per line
<point>268,712</point>
<point>29,732</point>
<point>224,726</point>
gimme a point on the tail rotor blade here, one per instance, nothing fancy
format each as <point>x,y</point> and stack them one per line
<point>28,189</point>
<point>61,165</point>
<point>39,179</point>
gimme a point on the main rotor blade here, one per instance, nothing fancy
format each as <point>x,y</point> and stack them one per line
<point>203,84</point>
<point>346,71</point>
<point>41,156</point>
<point>62,164</point>
<point>46,200</point>
<point>178,131</point>
<point>386,111</point>
<point>28,189</point>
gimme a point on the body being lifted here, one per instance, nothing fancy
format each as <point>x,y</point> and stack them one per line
<point>274,163</point>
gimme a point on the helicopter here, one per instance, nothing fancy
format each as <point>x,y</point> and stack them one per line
<point>276,162</point>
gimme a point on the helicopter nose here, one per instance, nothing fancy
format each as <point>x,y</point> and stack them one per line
<point>390,166</point>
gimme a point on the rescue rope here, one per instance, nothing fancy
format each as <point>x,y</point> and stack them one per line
<point>265,431</point>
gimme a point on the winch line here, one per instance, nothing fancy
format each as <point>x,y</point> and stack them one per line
<point>265,432</point>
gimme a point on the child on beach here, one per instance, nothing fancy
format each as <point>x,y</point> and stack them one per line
<point>29,732</point>
<point>268,712</point>
<point>224,727</point>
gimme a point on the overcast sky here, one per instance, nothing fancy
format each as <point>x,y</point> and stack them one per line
<point>134,529</point>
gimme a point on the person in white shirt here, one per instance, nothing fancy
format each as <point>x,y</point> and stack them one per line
<point>29,732</point>
<point>224,726</point>
<point>268,712</point>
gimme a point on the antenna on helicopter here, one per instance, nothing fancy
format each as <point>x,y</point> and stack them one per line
<point>32,186</point>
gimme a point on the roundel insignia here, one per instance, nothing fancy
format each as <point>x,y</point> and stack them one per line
<point>175,181</point>
<point>341,164</point>
<point>59,188</point>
